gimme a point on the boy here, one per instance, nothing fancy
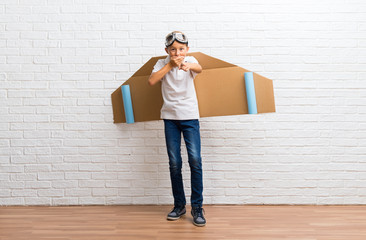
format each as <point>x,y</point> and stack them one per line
<point>180,114</point>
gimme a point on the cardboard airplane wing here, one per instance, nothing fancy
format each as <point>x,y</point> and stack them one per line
<point>220,87</point>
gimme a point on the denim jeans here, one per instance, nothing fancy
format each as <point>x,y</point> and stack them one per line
<point>191,134</point>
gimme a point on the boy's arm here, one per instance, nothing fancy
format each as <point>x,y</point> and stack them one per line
<point>157,76</point>
<point>195,67</point>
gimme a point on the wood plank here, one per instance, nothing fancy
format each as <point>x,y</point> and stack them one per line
<point>149,222</point>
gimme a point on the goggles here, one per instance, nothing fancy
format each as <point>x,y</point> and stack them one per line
<point>174,36</point>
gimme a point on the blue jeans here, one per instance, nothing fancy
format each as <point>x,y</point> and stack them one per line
<point>191,134</point>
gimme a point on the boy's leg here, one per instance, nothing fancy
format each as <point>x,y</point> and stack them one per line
<point>173,143</point>
<point>192,138</point>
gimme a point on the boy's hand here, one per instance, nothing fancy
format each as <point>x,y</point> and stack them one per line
<point>184,66</point>
<point>176,61</point>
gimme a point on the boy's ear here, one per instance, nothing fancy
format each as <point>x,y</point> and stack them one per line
<point>166,50</point>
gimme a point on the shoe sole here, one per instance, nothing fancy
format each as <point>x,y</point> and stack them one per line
<point>199,224</point>
<point>175,218</point>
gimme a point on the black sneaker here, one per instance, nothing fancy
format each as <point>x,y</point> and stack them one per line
<point>176,213</point>
<point>198,218</point>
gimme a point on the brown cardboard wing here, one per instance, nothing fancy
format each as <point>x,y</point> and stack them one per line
<point>220,91</point>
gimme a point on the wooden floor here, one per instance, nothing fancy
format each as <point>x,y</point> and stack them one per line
<point>149,222</point>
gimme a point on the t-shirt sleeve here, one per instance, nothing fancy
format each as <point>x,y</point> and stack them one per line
<point>158,65</point>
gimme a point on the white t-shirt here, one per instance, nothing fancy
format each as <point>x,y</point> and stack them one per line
<point>179,94</point>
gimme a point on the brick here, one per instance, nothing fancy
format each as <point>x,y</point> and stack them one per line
<point>50,193</point>
<point>77,176</point>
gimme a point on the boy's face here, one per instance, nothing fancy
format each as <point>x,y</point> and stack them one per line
<point>177,49</point>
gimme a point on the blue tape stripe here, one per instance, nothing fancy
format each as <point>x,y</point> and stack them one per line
<point>249,86</point>
<point>127,103</point>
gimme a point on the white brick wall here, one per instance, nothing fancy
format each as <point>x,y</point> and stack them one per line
<point>61,59</point>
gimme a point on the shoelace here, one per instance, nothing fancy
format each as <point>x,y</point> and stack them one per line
<point>198,212</point>
<point>176,209</point>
